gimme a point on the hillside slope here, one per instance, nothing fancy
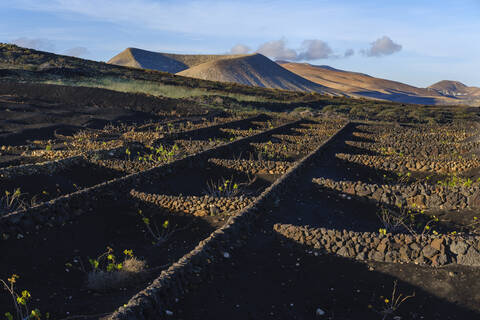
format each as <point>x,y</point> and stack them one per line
<point>254,70</point>
<point>167,62</point>
<point>362,84</point>
<point>27,65</point>
<point>454,88</point>
<point>359,84</point>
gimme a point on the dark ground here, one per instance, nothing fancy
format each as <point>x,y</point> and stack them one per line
<point>274,278</point>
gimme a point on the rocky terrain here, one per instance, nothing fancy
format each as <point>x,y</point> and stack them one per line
<point>120,205</point>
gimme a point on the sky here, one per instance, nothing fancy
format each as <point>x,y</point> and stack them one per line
<point>418,42</point>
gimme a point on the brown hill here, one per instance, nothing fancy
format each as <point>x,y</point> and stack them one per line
<point>254,70</point>
<point>359,84</point>
<point>362,84</point>
<point>257,70</point>
<point>168,62</point>
<point>455,88</point>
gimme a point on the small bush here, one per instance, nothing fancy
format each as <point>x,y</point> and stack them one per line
<point>107,274</point>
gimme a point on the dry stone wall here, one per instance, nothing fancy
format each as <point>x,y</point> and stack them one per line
<point>418,195</point>
<point>397,248</point>
<point>253,166</point>
<point>47,167</point>
<point>191,269</point>
<point>198,206</point>
<point>58,211</point>
<point>405,164</point>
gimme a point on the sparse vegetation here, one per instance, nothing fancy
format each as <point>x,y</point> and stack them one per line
<point>159,234</point>
<point>392,304</point>
<point>108,273</point>
<point>223,188</point>
<point>11,201</point>
<point>90,220</point>
<point>20,301</point>
<point>402,219</point>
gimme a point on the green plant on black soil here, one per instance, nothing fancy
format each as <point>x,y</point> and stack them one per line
<point>159,234</point>
<point>390,152</point>
<point>163,154</point>
<point>402,219</point>
<point>268,151</point>
<point>392,304</point>
<point>170,127</point>
<point>158,155</point>
<point>217,141</point>
<point>108,273</point>
<point>20,302</point>
<point>222,188</point>
<point>11,201</point>
<point>105,261</point>
<point>404,178</point>
<point>456,181</point>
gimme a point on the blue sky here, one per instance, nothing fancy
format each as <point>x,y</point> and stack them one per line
<point>416,42</point>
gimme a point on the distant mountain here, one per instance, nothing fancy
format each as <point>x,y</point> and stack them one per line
<point>455,89</point>
<point>362,84</point>
<point>441,93</point>
<point>168,62</point>
<point>258,70</point>
<point>253,69</point>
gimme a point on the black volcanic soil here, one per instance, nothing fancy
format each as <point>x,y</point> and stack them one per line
<point>41,259</point>
<point>274,278</point>
<point>36,111</point>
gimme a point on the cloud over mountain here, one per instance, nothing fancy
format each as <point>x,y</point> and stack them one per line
<point>383,46</point>
<point>349,53</point>
<point>315,49</point>
<point>37,44</point>
<point>240,49</point>
<point>77,52</point>
<point>278,50</point>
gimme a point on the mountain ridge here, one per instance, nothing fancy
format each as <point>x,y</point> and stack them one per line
<point>371,87</point>
<point>257,70</point>
<point>160,61</point>
<point>254,69</point>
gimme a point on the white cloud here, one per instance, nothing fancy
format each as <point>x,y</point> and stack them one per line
<point>37,44</point>
<point>349,53</point>
<point>310,50</point>
<point>383,46</point>
<point>240,49</point>
<point>277,50</point>
<point>77,52</point>
<point>315,49</point>
<point>265,19</point>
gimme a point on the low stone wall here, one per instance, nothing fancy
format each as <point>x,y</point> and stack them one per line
<point>253,166</point>
<point>205,132</point>
<point>404,164</point>
<point>419,151</point>
<point>194,146</point>
<point>415,196</point>
<point>76,151</point>
<point>47,167</point>
<point>241,133</point>
<point>399,248</point>
<point>126,166</point>
<point>283,150</point>
<point>291,138</point>
<point>194,205</point>
<point>57,211</point>
<point>191,269</point>
<point>142,136</point>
